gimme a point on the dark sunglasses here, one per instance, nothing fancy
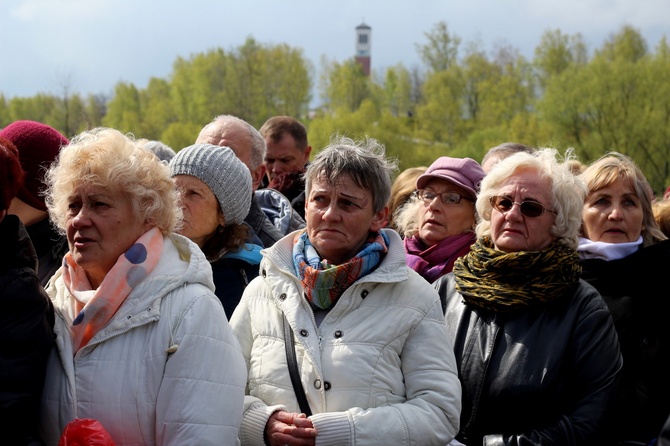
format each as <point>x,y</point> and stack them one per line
<point>427,196</point>
<point>528,208</point>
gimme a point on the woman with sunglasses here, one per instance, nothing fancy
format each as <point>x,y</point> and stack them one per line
<point>536,349</point>
<point>438,222</point>
<point>625,256</point>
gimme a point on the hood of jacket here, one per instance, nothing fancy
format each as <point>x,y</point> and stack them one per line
<point>279,210</point>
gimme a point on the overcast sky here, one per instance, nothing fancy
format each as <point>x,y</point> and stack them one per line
<point>90,45</point>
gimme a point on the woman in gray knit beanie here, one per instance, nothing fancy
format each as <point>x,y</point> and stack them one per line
<point>215,187</point>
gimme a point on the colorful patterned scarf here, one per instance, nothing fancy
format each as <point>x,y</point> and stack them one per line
<point>436,260</point>
<point>94,308</point>
<point>499,281</point>
<point>325,283</point>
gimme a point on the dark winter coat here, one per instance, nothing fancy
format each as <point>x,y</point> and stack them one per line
<point>50,247</point>
<point>232,273</point>
<point>636,291</point>
<point>26,335</point>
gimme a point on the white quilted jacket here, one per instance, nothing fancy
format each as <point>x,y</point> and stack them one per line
<point>379,369</point>
<point>125,377</point>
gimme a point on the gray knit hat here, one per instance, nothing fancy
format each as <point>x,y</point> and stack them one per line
<point>223,172</point>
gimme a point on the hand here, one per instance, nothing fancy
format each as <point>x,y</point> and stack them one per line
<point>290,428</point>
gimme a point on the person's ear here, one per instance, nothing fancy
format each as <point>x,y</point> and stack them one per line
<point>257,176</point>
<point>379,219</point>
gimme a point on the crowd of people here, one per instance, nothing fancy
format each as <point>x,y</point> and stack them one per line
<point>246,290</point>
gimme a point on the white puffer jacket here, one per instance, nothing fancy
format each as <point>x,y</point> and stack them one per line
<point>379,369</point>
<point>125,377</point>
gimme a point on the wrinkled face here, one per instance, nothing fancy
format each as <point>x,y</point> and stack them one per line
<point>339,218</point>
<point>284,156</point>
<point>613,214</point>
<point>439,220</point>
<point>201,209</point>
<point>100,226</point>
<point>512,231</point>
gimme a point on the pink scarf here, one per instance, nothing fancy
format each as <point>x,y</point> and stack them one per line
<point>94,308</point>
<point>437,260</point>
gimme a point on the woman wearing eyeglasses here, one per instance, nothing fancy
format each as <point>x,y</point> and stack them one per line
<point>536,349</point>
<point>438,221</point>
<point>625,256</point>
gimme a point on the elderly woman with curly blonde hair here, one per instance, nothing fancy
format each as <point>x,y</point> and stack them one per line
<point>142,342</point>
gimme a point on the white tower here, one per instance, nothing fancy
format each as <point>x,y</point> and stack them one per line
<point>363,38</point>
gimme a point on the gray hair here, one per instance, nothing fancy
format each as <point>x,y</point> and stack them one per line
<point>256,140</point>
<point>406,217</point>
<point>160,149</point>
<point>568,191</point>
<point>364,161</point>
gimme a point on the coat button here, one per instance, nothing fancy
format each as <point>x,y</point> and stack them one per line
<point>282,296</point>
<point>326,385</point>
<point>338,334</point>
<point>364,294</point>
<point>317,383</point>
<point>264,273</point>
<point>304,333</point>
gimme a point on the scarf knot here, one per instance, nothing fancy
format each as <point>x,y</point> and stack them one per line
<point>324,283</point>
<point>500,282</point>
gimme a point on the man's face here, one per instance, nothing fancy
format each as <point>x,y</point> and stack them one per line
<point>284,156</point>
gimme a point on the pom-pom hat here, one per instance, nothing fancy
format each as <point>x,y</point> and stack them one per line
<point>220,169</point>
<point>464,172</point>
<point>38,146</point>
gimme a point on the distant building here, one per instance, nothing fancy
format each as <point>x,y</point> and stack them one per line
<point>363,39</point>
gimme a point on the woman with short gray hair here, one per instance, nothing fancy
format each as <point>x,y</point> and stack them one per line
<point>373,362</point>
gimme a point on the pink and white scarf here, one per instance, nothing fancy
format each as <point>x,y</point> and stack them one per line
<point>95,307</point>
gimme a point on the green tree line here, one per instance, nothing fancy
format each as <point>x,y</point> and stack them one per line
<point>460,102</point>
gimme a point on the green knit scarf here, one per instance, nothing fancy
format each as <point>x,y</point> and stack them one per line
<point>500,282</point>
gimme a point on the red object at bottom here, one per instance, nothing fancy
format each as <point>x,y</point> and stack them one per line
<point>85,432</point>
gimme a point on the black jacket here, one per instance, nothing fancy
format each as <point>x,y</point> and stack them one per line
<point>636,292</point>
<point>542,375</point>
<point>50,247</point>
<point>26,335</point>
<point>231,275</point>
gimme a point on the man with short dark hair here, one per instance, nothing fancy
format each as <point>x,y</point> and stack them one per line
<point>286,156</point>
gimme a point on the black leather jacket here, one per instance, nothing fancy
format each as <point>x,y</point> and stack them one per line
<point>544,375</point>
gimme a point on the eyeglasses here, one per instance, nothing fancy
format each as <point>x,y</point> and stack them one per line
<point>528,208</point>
<point>427,196</point>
